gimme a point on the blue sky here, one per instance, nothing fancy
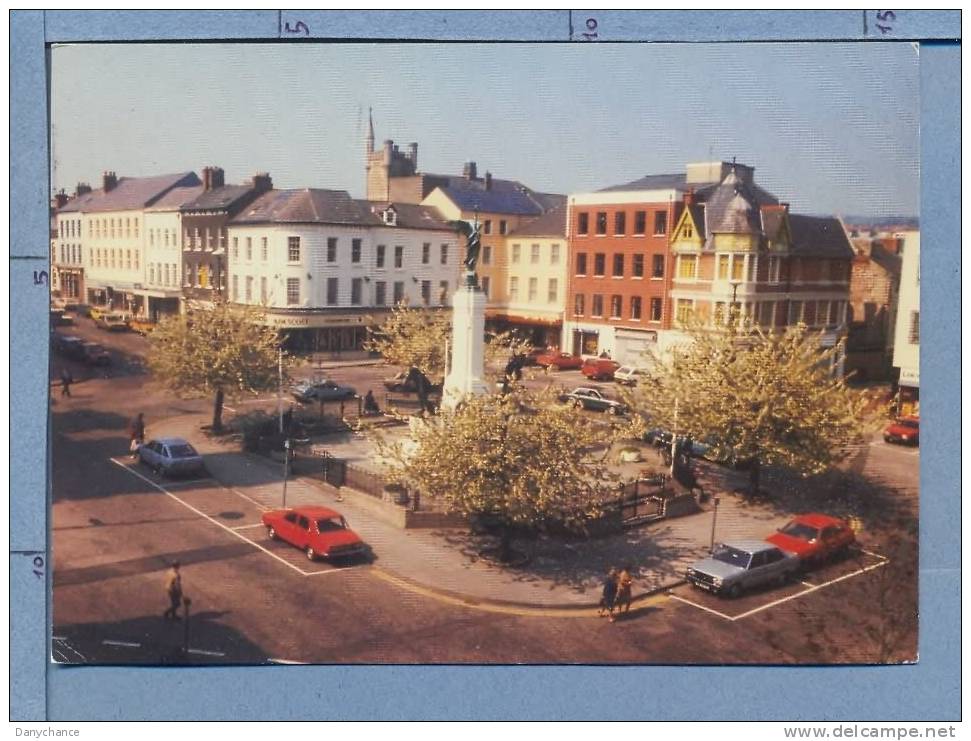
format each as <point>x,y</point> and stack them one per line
<point>831,128</point>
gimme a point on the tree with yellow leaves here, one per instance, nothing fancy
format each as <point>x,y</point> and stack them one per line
<point>224,350</point>
<point>753,396</point>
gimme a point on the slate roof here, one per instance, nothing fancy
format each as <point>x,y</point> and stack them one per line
<point>176,198</point>
<point>819,236</point>
<point>698,214</point>
<point>218,199</point>
<point>773,217</point>
<point>130,193</point>
<point>550,224</point>
<point>502,197</point>
<point>652,182</point>
<point>732,208</point>
<point>410,215</point>
<point>307,206</point>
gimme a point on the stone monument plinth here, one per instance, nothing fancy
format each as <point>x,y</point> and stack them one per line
<point>466,358</point>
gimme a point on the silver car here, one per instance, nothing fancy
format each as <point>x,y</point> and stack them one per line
<point>171,456</point>
<point>743,564</point>
<point>321,390</point>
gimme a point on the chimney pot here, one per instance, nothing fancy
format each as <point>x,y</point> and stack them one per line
<point>488,180</point>
<point>262,182</point>
<point>108,180</point>
<point>689,196</point>
<point>469,171</point>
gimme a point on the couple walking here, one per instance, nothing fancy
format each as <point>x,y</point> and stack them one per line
<point>616,593</point>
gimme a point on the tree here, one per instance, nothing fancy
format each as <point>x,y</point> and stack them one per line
<point>763,398</point>
<point>518,459</point>
<point>222,350</point>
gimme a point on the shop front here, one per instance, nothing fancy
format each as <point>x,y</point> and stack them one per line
<point>908,392</point>
<point>538,331</point>
<point>319,331</point>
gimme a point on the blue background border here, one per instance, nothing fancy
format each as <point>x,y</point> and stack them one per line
<point>929,690</point>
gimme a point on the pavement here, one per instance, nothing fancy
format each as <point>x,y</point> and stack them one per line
<point>561,573</point>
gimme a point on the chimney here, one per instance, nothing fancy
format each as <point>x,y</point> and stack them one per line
<point>689,196</point>
<point>468,171</point>
<point>413,154</point>
<point>262,182</point>
<point>388,151</point>
<point>81,189</point>
<point>207,178</point>
<point>488,180</point>
<point>60,199</point>
<point>108,181</point>
<point>218,177</point>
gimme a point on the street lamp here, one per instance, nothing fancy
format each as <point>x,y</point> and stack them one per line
<point>714,519</point>
<point>734,284</point>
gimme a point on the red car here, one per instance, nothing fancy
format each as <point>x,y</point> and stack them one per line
<point>905,431</point>
<point>815,538</point>
<point>599,369</point>
<point>318,531</point>
<point>559,360</point>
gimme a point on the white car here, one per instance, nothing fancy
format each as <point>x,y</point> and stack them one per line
<point>628,375</point>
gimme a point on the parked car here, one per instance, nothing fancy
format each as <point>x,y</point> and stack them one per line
<point>532,357</point>
<point>69,346</point>
<point>587,398</point>
<point>628,375</point>
<point>113,322</point>
<point>399,382</point>
<point>318,531</point>
<point>171,456</point>
<point>95,354</point>
<point>743,564</point>
<point>560,360</point>
<point>905,431</point>
<point>61,318</point>
<point>599,369</point>
<point>814,537</point>
<point>325,390</point>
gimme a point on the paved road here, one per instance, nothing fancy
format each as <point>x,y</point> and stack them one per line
<point>114,534</point>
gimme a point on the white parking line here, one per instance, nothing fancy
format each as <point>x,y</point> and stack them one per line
<point>701,607</point>
<point>287,662</point>
<point>330,571</point>
<point>126,644</point>
<point>248,527</point>
<point>238,493</point>
<point>190,481</point>
<point>205,653</point>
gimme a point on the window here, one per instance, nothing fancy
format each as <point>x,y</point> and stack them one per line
<point>597,305</point>
<point>331,291</point>
<point>534,254</point>
<point>151,272</point>
<point>767,313</point>
<point>426,253</point>
<point>151,238</point>
<point>128,259</point>
<point>293,249</point>
<point>723,267</point>
<point>484,283</point>
<point>128,227</point>
<point>684,308</point>
<point>554,254</point>
<point>637,265</point>
<point>834,312</point>
<point>249,289</point>
<point>752,268</point>
<point>235,283</point>
<point>583,223</point>
<point>399,255</point>
<point>516,251</point>
<point>635,307</point>
<point>657,308</point>
<point>264,248</point>
<point>249,248</point>
<point>795,312</point>
<point>355,250</point>
<point>616,305</point>
<point>578,304</point>
<point>657,266</point>
<point>426,292</point>
<point>263,293</point>
<point>399,292</point>
<point>581,263</point>
<point>599,264</point>
<point>222,238</point>
<point>293,291</point>
<point>774,266</point>
<point>235,247</point>
<point>167,274</point>
<point>660,222</point>
<point>601,222</point>
<point>487,254</point>
<point>552,291</point>
<point>738,268</point>
<point>640,222</point>
<point>618,266</point>
<point>443,254</point>
<point>205,239</point>
<point>379,256</point>
<point>331,249</point>
<point>533,288</point>
<point>357,285</point>
<point>380,293</point>
<point>687,266</point>
<point>443,291</point>
<point>620,222</point>
<point>513,288</point>
<point>487,227</point>
<point>822,312</point>
<point>502,227</point>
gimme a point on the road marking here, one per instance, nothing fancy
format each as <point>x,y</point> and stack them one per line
<point>237,492</point>
<point>58,638</point>
<point>229,408</point>
<point>248,527</point>
<point>334,570</point>
<point>875,555</point>
<point>286,661</point>
<point>201,652</point>
<point>701,607</point>
<point>212,520</point>
<point>126,644</point>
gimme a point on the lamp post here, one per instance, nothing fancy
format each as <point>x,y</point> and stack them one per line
<point>279,390</point>
<point>734,284</point>
<point>714,519</point>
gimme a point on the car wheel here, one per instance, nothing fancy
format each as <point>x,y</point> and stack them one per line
<point>613,410</point>
<point>735,591</point>
<point>578,405</point>
<point>311,553</point>
<point>271,532</point>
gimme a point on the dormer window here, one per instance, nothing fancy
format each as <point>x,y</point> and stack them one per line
<point>390,216</point>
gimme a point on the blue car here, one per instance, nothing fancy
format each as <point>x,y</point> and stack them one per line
<point>171,456</point>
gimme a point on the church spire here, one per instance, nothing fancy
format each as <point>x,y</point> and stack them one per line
<point>370,132</point>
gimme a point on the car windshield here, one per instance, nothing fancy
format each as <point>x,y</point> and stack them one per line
<point>182,451</point>
<point>908,423</point>
<point>799,530</point>
<point>733,556</point>
<point>331,524</point>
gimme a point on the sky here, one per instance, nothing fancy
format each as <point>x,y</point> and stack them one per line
<point>831,128</point>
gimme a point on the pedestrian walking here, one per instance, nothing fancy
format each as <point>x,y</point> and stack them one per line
<point>66,381</point>
<point>609,595</point>
<point>370,404</point>
<point>624,584</point>
<point>173,589</point>
<point>136,433</point>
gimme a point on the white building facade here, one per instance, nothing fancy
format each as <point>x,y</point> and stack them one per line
<point>162,275</point>
<point>906,348</point>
